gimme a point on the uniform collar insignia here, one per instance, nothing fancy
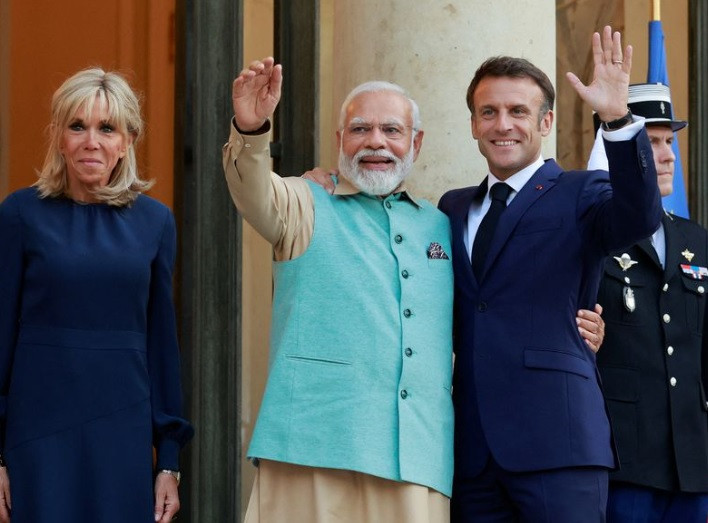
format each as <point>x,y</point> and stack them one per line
<point>625,261</point>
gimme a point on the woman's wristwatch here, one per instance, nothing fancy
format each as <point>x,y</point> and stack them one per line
<point>174,473</point>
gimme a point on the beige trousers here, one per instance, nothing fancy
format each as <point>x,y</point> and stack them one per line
<point>286,493</point>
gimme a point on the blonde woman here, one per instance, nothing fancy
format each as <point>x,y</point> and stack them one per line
<point>89,362</point>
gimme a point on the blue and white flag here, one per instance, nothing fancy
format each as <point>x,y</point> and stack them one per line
<point>675,202</point>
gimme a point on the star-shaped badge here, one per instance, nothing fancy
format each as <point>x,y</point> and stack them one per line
<point>688,254</point>
<point>625,261</point>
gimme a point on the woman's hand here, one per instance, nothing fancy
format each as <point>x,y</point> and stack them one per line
<point>591,327</point>
<point>5,502</point>
<point>166,497</point>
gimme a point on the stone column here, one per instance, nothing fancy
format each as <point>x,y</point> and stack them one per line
<point>432,49</point>
<point>208,280</point>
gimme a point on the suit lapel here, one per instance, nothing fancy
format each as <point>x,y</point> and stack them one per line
<point>676,243</point>
<point>646,246</point>
<point>541,181</point>
<point>458,225</point>
<point>673,239</point>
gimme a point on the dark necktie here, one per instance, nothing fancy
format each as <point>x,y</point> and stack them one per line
<point>499,193</point>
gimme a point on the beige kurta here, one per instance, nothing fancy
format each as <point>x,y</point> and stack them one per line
<point>282,211</point>
<point>286,493</point>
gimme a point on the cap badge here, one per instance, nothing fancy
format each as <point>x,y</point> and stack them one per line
<point>663,108</point>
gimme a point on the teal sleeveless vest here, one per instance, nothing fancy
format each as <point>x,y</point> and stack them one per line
<point>361,344</point>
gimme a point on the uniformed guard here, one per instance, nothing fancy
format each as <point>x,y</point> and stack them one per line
<point>654,358</point>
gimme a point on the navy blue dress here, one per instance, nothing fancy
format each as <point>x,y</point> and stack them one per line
<point>89,362</point>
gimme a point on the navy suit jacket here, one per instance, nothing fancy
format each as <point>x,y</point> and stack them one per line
<point>526,386</point>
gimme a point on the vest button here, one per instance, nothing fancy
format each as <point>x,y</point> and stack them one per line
<point>408,352</point>
<point>404,273</point>
<point>407,313</point>
<point>404,394</point>
<point>398,238</point>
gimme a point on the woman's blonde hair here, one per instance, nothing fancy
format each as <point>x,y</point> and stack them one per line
<point>82,90</point>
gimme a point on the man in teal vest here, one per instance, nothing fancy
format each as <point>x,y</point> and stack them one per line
<point>356,422</point>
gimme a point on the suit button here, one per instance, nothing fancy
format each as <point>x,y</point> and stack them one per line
<point>398,238</point>
<point>673,382</point>
<point>404,273</point>
<point>407,313</point>
<point>387,204</point>
<point>404,394</point>
<point>408,352</point>
<point>666,318</point>
<point>665,287</point>
<point>669,350</point>
<point>482,306</point>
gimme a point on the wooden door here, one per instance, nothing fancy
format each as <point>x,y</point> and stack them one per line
<point>43,42</point>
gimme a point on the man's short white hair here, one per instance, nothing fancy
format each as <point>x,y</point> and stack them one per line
<point>377,86</point>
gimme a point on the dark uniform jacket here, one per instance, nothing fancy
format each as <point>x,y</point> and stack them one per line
<point>653,360</point>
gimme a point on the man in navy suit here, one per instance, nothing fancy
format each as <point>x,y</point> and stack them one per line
<point>532,437</point>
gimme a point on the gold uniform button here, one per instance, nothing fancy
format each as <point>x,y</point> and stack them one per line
<point>666,318</point>
<point>670,350</point>
<point>673,382</point>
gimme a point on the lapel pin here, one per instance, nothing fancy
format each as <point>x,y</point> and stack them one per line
<point>625,261</point>
<point>539,187</point>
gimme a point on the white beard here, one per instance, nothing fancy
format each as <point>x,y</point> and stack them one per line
<point>377,183</point>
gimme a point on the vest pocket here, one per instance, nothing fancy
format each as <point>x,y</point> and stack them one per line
<point>310,359</point>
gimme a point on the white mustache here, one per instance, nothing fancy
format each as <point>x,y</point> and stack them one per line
<point>376,154</point>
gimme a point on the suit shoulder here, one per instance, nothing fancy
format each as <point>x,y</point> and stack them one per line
<point>688,226</point>
<point>584,177</point>
<point>453,197</point>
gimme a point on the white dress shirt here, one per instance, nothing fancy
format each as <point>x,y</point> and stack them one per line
<point>658,241</point>
<point>478,210</point>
